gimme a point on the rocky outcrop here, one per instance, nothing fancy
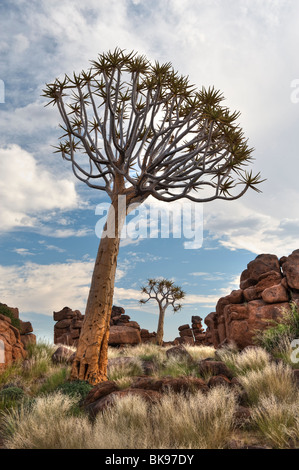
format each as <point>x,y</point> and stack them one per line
<point>266,288</point>
<point>13,339</point>
<point>123,331</point>
<point>194,335</point>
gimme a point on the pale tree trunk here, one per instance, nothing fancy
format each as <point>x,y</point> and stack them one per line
<point>160,330</point>
<point>91,359</point>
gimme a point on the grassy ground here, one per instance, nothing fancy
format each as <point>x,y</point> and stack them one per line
<point>39,408</point>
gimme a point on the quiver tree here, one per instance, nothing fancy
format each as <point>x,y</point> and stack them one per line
<point>166,293</point>
<point>137,129</point>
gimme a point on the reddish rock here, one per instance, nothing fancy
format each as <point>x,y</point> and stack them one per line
<point>260,265</point>
<point>177,385</point>
<point>290,268</point>
<point>63,324</point>
<point>184,327</point>
<point>124,335</point>
<point>26,327</point>
<point>265,281</point>
<point>184,333</point>
<point>242,415</point>
<point>11,338</point>
<point>179,352</point>
<point>122,331</point>
<point>65,313</point>
<point>62,355</point>
<point>275,294</point>
<point>218,380</point>
<point>185,340</point>
<point>99,391</point>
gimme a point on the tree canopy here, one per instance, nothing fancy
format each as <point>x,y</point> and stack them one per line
<point>141,121</point>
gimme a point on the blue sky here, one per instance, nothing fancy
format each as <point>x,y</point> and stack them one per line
<point>246,48</point>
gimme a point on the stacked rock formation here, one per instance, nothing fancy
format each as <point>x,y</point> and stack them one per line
<point>266,288</point>
<point>194,335</point>
<point>122,330</point>
<point>14,340</point>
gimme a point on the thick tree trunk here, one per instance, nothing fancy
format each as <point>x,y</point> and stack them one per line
<point>160,330</point>
<point>91,359</point>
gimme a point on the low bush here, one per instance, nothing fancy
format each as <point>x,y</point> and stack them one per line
<point>76,389</point>
<point>4,310</point>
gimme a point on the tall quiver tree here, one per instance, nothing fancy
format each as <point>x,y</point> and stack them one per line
<point>167,294</point>
<point>134,129</point>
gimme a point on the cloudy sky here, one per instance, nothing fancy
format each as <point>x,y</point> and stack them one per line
<point>248,49</point>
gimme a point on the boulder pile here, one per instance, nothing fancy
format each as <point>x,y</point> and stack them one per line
<point>192,336</point>
<point>13,340</point>
<point>123,331</point>
<point>267,287</point>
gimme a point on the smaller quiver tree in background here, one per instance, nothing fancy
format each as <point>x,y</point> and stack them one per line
<point>166,293</point>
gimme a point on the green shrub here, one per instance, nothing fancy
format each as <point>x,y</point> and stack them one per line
<point>11,397</point>
<point>276,339</point>
<point>55,380</point>
<point>4,310</point>
<point>12,393</point>
<point>77,388</point>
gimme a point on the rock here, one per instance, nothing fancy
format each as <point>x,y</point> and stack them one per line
<point>265,281</point>
<point>149,367</point>
<point>30,338</point>
<point>184,327</point>
<point>62,354</point>
<point>262,264</point>
<point>185,333</point>
<point>100,405</point>
<point>185,340</point>
<point>177,385</point>
<point>13,347</point>
<point>214,368</point>
<point>99,391</point>
<point>65,313</point>
<point>63,324</point>
<point>218,380</point>
<point>275,294</point>
<point>290,268</point>
<point>122,331</point>
<point>26,327</point>
<point>242,416</point>
<point>179,352</point>
<point>124,335</point>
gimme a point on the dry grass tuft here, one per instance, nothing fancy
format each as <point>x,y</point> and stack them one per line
<point>273,380</point>
<point>178,421</point>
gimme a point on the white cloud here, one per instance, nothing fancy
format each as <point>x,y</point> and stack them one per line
<point>23,252</point>
<point>27,189</point>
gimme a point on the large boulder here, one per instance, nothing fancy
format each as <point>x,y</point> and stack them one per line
<point>290,268</point>
<point>266,287</point>
<point>120,335</point>
<point>12,348</point>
